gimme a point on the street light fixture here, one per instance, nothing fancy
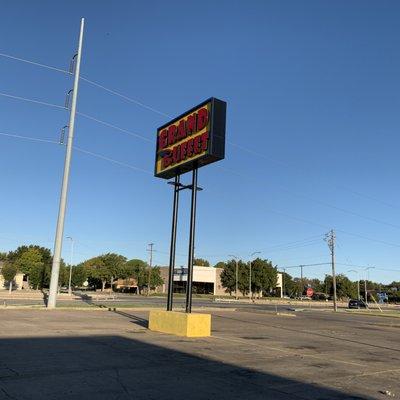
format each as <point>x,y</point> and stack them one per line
<point>70,265</point>
<point>251,256</point>
<point>236,258</point>
<point>365,282</point>
<point>358,282</point>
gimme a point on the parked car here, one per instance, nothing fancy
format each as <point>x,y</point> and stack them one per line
<point>357,304</point>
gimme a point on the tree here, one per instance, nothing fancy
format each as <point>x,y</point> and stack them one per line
<point>114,263</point>
<point>105,268</point>
<point>155,278</point>
<point>35,262</point>
<point>137,269</point>
<point>79,275</point>
<point>9,271</point>
<point>220,264</point>
<point>201,262</point>
<point>344,287</point>
<point>29,261</point>
<point>3,256</point>
<point>264,276</point>
<point>289,285</point>
<point>97,271</point>
<point>228,277</point>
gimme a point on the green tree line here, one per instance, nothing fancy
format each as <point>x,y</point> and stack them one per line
<point>35,263</point>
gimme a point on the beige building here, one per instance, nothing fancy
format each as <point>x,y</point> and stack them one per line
<point>206,280</point>
<point>18,280</point>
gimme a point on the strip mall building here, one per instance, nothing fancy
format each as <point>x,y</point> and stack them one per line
<point>206,280</point>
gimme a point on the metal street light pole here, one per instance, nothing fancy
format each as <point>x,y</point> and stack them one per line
<point>70,265</point>
<point>55,270</point>
<point>365,283</point>
<point>358,282</point>
<point>251,256</point>
<point>150,250</point>
<point>236,274</point>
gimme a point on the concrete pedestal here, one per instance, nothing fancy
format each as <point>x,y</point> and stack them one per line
<point>180,324</point>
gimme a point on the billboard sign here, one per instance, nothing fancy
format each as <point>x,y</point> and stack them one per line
<point>191,140</point>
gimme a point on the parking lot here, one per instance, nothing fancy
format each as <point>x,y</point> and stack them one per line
<point>251,355</point>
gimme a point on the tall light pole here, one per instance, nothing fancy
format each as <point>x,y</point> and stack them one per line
<point>365,283</point>
<point>70,265</point>
<point>330,238</point>
<point>55,269</point>
<point>251,256</point>
<point>358,282</point>
<point>236,274</point>
<point>150,250</point>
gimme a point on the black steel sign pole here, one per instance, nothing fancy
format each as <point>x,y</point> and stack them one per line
<point>176,184</point>
<point>191,243</point>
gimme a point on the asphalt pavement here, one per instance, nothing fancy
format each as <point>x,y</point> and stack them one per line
<point>103,354</point>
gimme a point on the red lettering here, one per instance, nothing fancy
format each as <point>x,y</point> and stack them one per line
<point>196,144</point>
<point>183,151</point>
<point>190,147</point>
<point>204,141</point>
<point>171,135</point>
<point>191,124</point>
<point>162,139</point>
<point>166,160</point>
<point>181,130</point>
<point>202,119</point>
<point>176,154</point>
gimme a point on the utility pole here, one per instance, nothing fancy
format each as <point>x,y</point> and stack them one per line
<point>55,270</point>
<point>301,282</point>
<point>236,275</point>
<point>330,239</point>
<point>150,264</point>
<point>70,265</point>
<point>283,282</point>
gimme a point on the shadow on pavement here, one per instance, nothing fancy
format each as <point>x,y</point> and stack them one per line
<point>114,367</point>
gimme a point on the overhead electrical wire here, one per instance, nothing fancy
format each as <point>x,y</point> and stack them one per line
<point>250,151</point>
<point>114,92</point>
<point>159,112</point>
<point>78,113</point>
<point>79,149</point>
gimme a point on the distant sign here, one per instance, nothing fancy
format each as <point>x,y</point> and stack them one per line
<point>310,292</point>
<point>192,140</point>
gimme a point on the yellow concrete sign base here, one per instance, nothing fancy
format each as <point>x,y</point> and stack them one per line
<point>180,324</point>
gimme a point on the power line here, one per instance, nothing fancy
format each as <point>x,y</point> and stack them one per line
<point>114,92</point>
<point>242,147</point>
<point>134,134</point>
<point>35,63</point>
<point>250,151</point>
<point>115,127</point>
<point>323,203</point>
<point>32,101</point>
<point>125,97</point>
<point>28,138</point>
<point>112,160</point>
<point>97,155</point>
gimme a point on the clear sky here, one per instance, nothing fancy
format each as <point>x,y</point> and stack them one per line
<point>312,127</point>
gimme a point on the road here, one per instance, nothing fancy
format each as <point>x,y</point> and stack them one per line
<point>84,299</point>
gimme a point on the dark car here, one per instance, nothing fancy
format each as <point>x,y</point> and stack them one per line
<point>357,304</point>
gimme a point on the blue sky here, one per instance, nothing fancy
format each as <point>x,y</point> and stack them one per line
<point>312,127</point>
